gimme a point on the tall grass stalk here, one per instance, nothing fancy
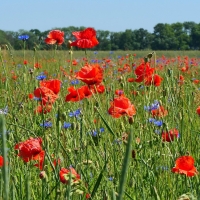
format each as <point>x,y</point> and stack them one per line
<point>5,156</point>
<point>125,166</point>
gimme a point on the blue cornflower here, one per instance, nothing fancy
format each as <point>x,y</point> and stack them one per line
<point>41,77</point>
<point>95,52</point>
<point>153,106</point>
<point>102,130</point>
<point>141,87</point>
<point>4,111</point>
<point>36,98</point>
<point>94,133</point>
<point>46,124</point>
<point>95,61</point>
<point>110,178</point>
<point>19,65</point>
<point>75,82</point>
<point>158,123</point>
<point>67,125</point>
<point>151,120</point>
<point>111,52</point>
<point>23,37</point>
<point>76,113</point>
<point>155,122</point>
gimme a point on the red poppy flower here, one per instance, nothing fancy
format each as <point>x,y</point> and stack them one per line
<point>75,94</point>
<point>181,80</point>
<point>37,65</point>
<point>198,110</point>
<point>40,158</point>
<point>55,37</point>
<point>119,92</point>
<point>31,149</point>
<point>46,95</point>
<point>30,96</point>
<point>85,39</point>
<point>14,77</point>
<point>65,173</point>
<point>185,165</point>
<point>25,62</point>
<point>121,106</point>
<point>87,196</point>
<point>56,162</point>
<point>97,88</point>
<point>1,161</point>
<point>196,81</point>
<point>153,80</point>
<point>90,74</point>
<point>170,135</point>
<point>53,85</point>
<point>43,109</point>
<point>130,80</point>
<point>160,112</point>
<point>86,90</point>
<point>143,71</point>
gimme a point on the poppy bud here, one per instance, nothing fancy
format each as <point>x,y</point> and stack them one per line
<point>42,175</point>
<point>120,79</point>
<point>133,154</point>
<point>69,44</point>
<point>122,85</point>
<point>150,55</point>
<point>30,71</point>
<point>130,120</point>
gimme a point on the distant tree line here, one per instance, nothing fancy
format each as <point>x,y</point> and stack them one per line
<point>176,36</point>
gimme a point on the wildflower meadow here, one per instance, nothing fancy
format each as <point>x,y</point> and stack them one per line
<point>82,124</point>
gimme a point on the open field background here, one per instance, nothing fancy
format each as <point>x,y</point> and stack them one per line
<point>96,144</point>
<point>99,54</point>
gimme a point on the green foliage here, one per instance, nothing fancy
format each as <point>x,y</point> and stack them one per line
<point>175,36</point>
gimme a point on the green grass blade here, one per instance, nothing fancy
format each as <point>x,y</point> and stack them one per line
<point>107,125</point>
<point>98,181</point>
<point>4,150</point>
<point>125,167</point>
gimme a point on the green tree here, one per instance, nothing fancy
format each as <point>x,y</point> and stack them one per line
<point>3,38</point>
<point>195,37</point>
<point>126,40</point>
<point>104,40</point>
<point>182,37</point>
<point>141,39</point>
<point>115,40</point>
<point>164,38</point>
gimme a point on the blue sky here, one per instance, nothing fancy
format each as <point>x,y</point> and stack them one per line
<point>111,15</point>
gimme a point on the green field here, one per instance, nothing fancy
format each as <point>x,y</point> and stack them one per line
<point>116,158</point>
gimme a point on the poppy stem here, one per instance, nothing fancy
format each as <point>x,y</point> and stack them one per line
<point>154,59</point>
<point>86,53</point>
<point>70,52</point>
<point>24,49</point>
<point>55,51</point>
